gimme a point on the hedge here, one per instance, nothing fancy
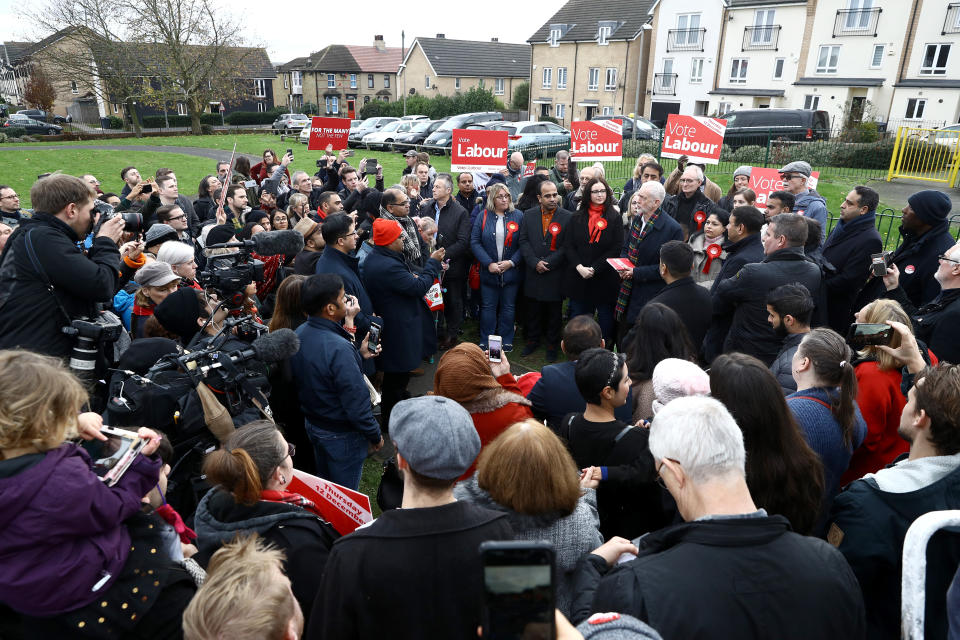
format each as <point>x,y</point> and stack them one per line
<point>214,119</point>
<point>14,132</point>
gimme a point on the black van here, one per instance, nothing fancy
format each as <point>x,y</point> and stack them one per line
<point>756,126</point>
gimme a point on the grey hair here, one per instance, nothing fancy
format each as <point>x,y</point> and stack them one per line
<point>563,154</point>
<point>297,199</point>
<point>701,435</point>
<point>697,170</point>
<point>443,177</point>
<point>295,178</point>
<point>654,189</point>
<point>175,252</point>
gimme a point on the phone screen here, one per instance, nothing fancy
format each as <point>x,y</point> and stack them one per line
<point>518,591</point>
<point>107,454</point>
<point>371,166</point>
<point>495,346</point>
<point>865,334</point>
<point>373,336</point>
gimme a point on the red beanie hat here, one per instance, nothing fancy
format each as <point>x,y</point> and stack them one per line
<point>385,231</point>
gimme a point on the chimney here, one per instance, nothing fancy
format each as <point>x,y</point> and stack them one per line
<point>379,43</point>
<point>441,35</point>
<point>494,39</point>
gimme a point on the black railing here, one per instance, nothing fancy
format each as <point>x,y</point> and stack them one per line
<point>665,84</point>
<point>856,22</point>
<point>685,39</point>
<point>951,24</point>
<point>761,38</point>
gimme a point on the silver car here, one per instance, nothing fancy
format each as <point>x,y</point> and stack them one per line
<point>289,122</point>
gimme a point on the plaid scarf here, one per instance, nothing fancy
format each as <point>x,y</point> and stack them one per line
<point>411,235</point>
<point>633,250</point>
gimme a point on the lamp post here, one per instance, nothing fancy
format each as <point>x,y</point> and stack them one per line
<point>403,65</point>
<point>636,95</point>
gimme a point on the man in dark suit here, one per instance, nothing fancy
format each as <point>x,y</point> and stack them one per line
<point>541,243</point>
<point>682,294</point>
<point>453,234</point>
<point>848,249</point>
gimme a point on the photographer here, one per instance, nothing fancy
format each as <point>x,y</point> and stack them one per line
<point>45,279</point>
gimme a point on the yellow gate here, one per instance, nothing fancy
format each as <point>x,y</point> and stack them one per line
<point>932,155</point>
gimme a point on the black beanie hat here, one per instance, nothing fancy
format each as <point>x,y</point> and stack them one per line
<point>930,206</point>
<point>179,312</point>
<point>220,234</point>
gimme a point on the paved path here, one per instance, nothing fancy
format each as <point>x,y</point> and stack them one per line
<point>200,152</point>
<point>894,194</point>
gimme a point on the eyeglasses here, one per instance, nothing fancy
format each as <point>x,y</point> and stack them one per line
<point>660,481</point>
<point>352,233</point>
<point>9,197</point>
<point>405,203</point>
<point>503,196</point>
<point>182,216</point>
<point>946,259</point>
<point>790,176</point>
<point>688,180</point>
<point>291,449</point>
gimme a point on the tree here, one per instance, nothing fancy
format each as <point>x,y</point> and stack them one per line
<point>521,96</point>
<point>39,92</point>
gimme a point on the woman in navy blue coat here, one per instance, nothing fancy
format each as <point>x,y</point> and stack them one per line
<point>495,241</point>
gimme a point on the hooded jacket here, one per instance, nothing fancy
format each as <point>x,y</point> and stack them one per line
<point>812,205</point>
<point>494,411</point>
<point>61,528</point>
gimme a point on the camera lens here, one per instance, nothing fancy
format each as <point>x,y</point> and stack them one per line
<point>132,222</point>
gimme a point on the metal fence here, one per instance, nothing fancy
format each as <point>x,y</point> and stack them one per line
<point>926,154</point>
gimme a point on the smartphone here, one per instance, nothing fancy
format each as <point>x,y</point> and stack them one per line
<point>249,184</point>
<point>147,188</point>
<point>113,456</point>
<point>373,337</point>
<point>879,263</point>
<point>519,590</point>
<point>347,153</point>
<point>495,345</point>
<point>862,334</point>
<point>371,166</point>
<point>322,163</point>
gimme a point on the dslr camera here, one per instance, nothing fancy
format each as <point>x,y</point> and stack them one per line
<point>132,221</point>
<point>879,263</point>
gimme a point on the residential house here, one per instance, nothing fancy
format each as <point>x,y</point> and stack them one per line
<point>288,85</point>
<point>760,53</point>
<point>378,70</point>
<point>442,67</point>
<point>927,81</point>
<point>687,36</point>
<point>588,59</point>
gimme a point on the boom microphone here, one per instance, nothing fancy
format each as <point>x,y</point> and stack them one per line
<point>272,347</point>
<point>269,243</point>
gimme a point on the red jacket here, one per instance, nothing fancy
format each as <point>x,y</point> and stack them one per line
<point>493,414</point>
<point>881,402</point>
<point>259,173</point>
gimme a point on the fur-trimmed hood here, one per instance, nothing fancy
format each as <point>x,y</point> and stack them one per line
<point>493,399</point>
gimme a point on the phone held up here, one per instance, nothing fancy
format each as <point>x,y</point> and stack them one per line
<point>113,456</point>
<point>495,347</point>
<point>863,334</point>
<point>290,153</point>
<point>371,167</point>
<point>373,337</point>
<point>519,590</point>
<point>879,263</point>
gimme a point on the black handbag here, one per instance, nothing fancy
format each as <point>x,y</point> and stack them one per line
<point>390,491</point>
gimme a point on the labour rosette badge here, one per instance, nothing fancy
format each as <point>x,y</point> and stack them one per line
<point>511,229</point>
<point>713,251</point>
<point>554,230</point>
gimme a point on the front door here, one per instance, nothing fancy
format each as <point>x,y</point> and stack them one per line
<point>591,112</point>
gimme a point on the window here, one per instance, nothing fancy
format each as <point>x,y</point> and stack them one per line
<point>876,59</point>
<point>688,29</point>
<point>547,77</point>
<point>331,81</point>
<point>286,81</point>
<point>593,79</point>
<point>915,107</point>
<point>333,104</point>
<point>778,68</point>
<point>561,77</point>
<point>456,83</point>
<point>480,83</point>
<point>116,107</point>
<point>554,37</point>
<point>763,21</point>
<point>724,107</point>
<point>386,81</point>
<point>827,61</point>
<point>369,81</point>
<point>498,86</point>
<point>353,81</point>
<point>426,82</point>
<point>260,88</point>
<point>934,60</point>
<point>607,111</point>
<point>181,109</point>
<point>297,79</point>
<point>859,16</point>
<point>261,107</point>
<point>738,71</point>
<point>73,87</point>
<point>366,99</point>
<point>561,111</point>
<point>602,34</point>
<point>696,70</point>
<point>611,81</point>
<point>811,102</point>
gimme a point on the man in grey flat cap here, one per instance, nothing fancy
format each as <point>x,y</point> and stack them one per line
<point>807,202</point>
<point>414,572</point>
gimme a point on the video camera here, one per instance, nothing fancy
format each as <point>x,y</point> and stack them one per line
<point>230,273</point>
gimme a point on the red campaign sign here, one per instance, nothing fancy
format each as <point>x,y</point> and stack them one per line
<point>343,508</point>
<point>528,169</point>
<point>478,150</point>
<point>331,132</point>
<point>697,137</point>
<point>596,141</point>
<point>763,182</point>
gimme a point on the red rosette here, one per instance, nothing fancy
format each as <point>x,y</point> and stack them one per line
<point>554,230</point>
<point>713,251</point>
<point>511,228</point>
<point>601,224</point>
<point>700,217</point>
<point>599,227</point>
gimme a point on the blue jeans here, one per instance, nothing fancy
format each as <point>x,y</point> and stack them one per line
<point>604,317</point>
<point>339,454</point>
<point>492,322</point>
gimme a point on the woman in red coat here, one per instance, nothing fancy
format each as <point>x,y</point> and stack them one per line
<point>486,389</point>
<point>879,396</point>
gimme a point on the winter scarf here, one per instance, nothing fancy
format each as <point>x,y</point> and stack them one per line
<point>411,243</point>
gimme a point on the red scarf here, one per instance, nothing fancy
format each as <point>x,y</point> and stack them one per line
<point>142,311</point>
<point>596,222</point>
<point>289,497</point>
<point>171,517</point>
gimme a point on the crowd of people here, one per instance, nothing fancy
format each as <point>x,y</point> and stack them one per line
<point>720,453</point>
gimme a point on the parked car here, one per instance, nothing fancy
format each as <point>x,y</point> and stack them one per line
<point>304,136</point>
<point>546,136</point>
<point>367,126</point>
<point>756,126</point>
<point>43,116</point>
<point>289,122</point>
<point>646,130</point>
<point>945,137</point>
<point>385,137</point>
<point>441,140</point>
<point>33,126</point>
<point>415,117</point>
<point>415,137</point>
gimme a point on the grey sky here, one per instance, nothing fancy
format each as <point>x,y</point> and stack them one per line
<point>288,35</point>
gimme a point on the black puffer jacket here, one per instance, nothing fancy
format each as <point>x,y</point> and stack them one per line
<point>684,210</point>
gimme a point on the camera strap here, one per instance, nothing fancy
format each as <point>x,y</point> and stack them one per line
<point>32,254</point>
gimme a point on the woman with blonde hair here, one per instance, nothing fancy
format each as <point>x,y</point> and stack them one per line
<point>878,394</point>
<point>527,473</point>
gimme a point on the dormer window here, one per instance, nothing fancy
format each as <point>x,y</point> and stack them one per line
<point>605,29</point>
<point>557,31</point>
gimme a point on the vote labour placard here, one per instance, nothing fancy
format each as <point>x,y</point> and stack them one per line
<point>478,150</point>
<point>596,141</point>
<point>328,132</point>
<point>763,182</point>
<point>343,508</point>
<point>698,138</point>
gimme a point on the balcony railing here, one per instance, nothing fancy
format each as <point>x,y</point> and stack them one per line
<point>951,23</point>
<point>856,22</point>
<point>761,38</point>
<point>685,39</point>
<point>665,84</point>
